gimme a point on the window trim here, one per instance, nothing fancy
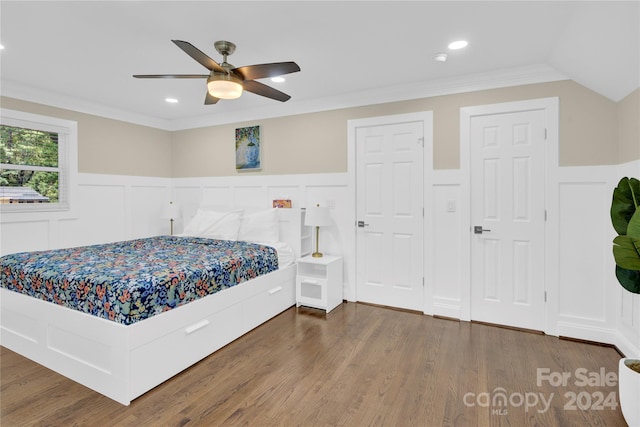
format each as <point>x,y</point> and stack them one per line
<point>67,131</point>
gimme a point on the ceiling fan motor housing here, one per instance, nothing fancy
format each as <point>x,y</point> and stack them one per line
<point>224,47</point>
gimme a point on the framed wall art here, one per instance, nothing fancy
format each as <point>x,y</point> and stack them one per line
<point>282,203</point>
<point>248,148</point>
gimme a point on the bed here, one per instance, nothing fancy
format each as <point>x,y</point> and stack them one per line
<point>124,350</point>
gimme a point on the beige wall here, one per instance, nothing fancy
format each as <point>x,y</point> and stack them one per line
<point>629,128</point>
<point>109,146</point>
<point>317,142</point>
<point>593,131</point>
<point>307,143</point>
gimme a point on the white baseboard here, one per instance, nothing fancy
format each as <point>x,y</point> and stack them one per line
<point>587,333</point>
<point>446,308</point>
<point>626,347</point>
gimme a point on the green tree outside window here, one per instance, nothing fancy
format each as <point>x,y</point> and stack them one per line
<point>29,158</point>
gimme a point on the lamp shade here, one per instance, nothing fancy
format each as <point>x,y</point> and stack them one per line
<point>171,211</point>
<point>224,86</point>
<point>317,216</point>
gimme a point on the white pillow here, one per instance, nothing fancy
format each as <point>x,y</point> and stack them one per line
<point>261,226</point>
<point>197,224</point>
<point>214,225</point>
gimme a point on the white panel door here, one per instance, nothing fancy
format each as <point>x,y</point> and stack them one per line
<point>389,209</point>
<point>507,218</point>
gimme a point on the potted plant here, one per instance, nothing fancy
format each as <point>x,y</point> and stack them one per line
<point>625,216</point>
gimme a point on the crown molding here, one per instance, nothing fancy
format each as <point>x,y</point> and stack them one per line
<point>12,89</point>
<point>490,80</point>
<point>449,86</point>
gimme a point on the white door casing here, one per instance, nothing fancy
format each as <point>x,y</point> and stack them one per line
<point>507,216</point>
<point>509,269</point>
<point>389,204</point>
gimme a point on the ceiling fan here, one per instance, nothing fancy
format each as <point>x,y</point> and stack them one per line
<point>225,81</point>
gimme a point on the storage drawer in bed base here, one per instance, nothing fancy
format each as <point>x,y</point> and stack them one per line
<point>123,362</point>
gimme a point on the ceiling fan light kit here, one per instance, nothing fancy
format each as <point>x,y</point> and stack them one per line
<point>224,86</point>
<point>225,81</point>
<point>440,57</point>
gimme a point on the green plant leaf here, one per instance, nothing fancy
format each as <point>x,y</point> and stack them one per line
<point>626,251</point>
<point>626,197</point>
<point>625,217</point>
<point>633,229</point>
<point>629,279</point>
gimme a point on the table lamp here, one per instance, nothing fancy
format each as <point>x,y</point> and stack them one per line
<point>171,212</point>
<point>317,217</point>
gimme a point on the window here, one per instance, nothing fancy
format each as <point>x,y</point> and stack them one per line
<point>38,158</point>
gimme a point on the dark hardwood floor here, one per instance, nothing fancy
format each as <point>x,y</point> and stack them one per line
<point>358,366</point>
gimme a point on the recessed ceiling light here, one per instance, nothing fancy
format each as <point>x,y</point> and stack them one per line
<point>440,57</point>
<point>459,44</point>
<point>1,47</point>
<point>277,79</point>
<point>171,100</point>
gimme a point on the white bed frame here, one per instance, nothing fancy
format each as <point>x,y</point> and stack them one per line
<point>123,362</point>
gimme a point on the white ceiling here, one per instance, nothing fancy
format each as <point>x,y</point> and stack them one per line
<point>82,54</point>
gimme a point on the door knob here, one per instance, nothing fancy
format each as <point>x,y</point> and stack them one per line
<point>477,229</point>
<point>362,224</point>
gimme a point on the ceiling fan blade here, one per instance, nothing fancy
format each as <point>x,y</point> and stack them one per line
<point>199,56</point>
<point>171,76</point>
<point>264,90</point>
<point>260,71</point>
<point>210,99</point>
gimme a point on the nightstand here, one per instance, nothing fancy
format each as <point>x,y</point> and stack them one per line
<point>319,282</point>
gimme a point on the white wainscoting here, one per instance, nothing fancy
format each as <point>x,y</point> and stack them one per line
<point>591,303</point>
<point>107,208</point>
<point>113,207</point>
<point>584,298</point>
<point>585,263</point>
<point>443,278</point>
<point>259,191</point>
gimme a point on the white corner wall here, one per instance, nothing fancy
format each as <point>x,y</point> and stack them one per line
<point>591,303</point>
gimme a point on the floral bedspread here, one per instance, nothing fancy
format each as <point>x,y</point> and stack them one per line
<point>132,280</point>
